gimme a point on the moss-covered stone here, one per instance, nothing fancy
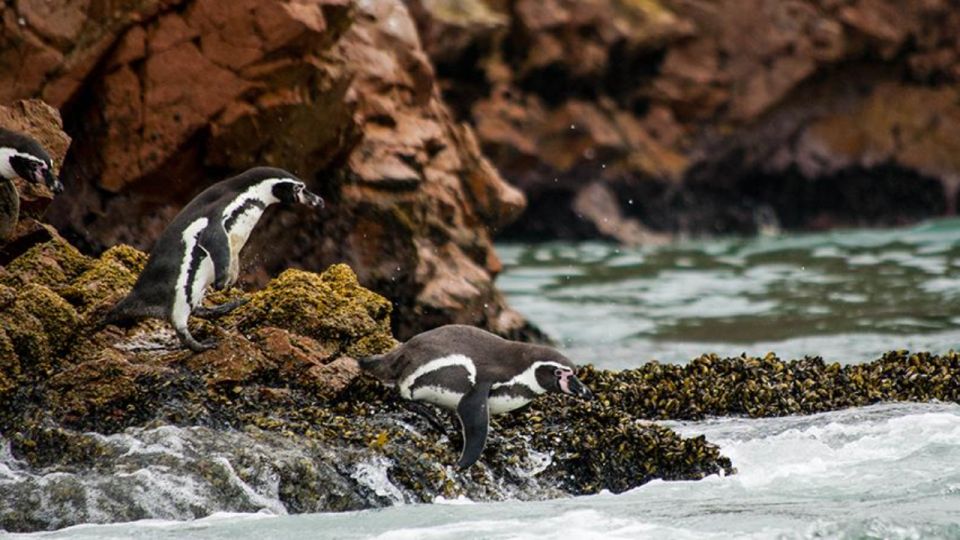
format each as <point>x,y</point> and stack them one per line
<point>127,256</point>
<point>53,263</point>
<point>59,320</point>
<point>9,366</point>
<point>29,339</point>
<point>330,307</point>
<point>105,281</point>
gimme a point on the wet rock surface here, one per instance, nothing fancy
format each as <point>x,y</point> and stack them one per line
<point>112,424</point>
<point>706,117</point>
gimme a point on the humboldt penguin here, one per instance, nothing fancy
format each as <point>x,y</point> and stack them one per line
<point>201,247</point>
<point>21,155</point>
<point>475,374</point>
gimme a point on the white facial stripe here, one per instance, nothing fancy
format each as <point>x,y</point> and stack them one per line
<point>181,306</point>
<point>528,377</point>
<point>6,170</point>
<point>438,363</point>
<point>240,226</point>
<point>261,191</point>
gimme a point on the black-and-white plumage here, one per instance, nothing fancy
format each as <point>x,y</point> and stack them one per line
<point>201,248</point>
<point>21,156</point>
<point>476,374</point>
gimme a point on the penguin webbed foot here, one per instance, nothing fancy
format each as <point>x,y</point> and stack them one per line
<point>219,311</point>
<point>201,346</point>
<point>427,413</point>
<point>189,342</point>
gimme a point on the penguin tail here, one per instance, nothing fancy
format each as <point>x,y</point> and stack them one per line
<point>118,313</point>
<point>376,366</point>
<point>123,313</point>
<point>370,363</point>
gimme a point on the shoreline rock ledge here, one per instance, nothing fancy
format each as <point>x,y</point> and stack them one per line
<point>105,425</point>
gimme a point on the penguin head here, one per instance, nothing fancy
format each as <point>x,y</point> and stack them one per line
<point>22,156</point>
<point>561,378</point>
<point>294,191</point>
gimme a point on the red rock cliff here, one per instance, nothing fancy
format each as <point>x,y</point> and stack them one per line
<point>164,97</point>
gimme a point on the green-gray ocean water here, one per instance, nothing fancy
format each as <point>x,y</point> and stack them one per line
<point>847,296</point>
<point>884,471</point>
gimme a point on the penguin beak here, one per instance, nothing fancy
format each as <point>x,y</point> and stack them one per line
<point>311,199</point>
<point>52,181</point>
<point>570,384</point>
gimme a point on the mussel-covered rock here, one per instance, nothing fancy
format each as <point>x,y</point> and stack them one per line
<point>110,424</point>
<point>769,386</point>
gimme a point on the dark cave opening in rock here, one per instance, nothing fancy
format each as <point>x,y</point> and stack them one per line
<point>549,216</point>
<point>883,195</point>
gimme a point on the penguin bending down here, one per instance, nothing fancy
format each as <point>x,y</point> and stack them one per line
<point>21,155</point>
<point>201,247</point>
<point>476,374</point>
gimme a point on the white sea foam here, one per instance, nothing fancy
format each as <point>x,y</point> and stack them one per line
<point>373,474</point>
<point>874,471</point>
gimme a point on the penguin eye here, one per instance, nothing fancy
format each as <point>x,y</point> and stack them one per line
<point>559,373</point>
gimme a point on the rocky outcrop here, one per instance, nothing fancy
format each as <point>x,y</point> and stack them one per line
<point>698,116</point>
<point>164,97</point>
<point>109,424</point>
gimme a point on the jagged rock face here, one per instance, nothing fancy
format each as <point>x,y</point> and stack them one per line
<point>165,97</point>
<point>702,116</point>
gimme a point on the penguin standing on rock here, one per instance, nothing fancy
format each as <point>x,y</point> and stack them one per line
<point>21,155</point>
<point>201,247</point>
<point>475,374</point>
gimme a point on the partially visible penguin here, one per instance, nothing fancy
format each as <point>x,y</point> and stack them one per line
<point>475,374</point>
<point>201,247</point>
<point>21,155</point>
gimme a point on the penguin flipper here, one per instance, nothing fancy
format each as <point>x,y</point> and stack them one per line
<point>475,419</point>
<point>215,241</point>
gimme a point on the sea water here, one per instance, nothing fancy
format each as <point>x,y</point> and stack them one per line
<point>883,471</point>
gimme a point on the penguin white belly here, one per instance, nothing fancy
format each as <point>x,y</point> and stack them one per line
<point>233,272</point>
<point>438,396</point>
<point>196,273</point>
<point>436,393</point>
<point>204,277</point>
<point>503,404</point>
<point>237,236</point>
